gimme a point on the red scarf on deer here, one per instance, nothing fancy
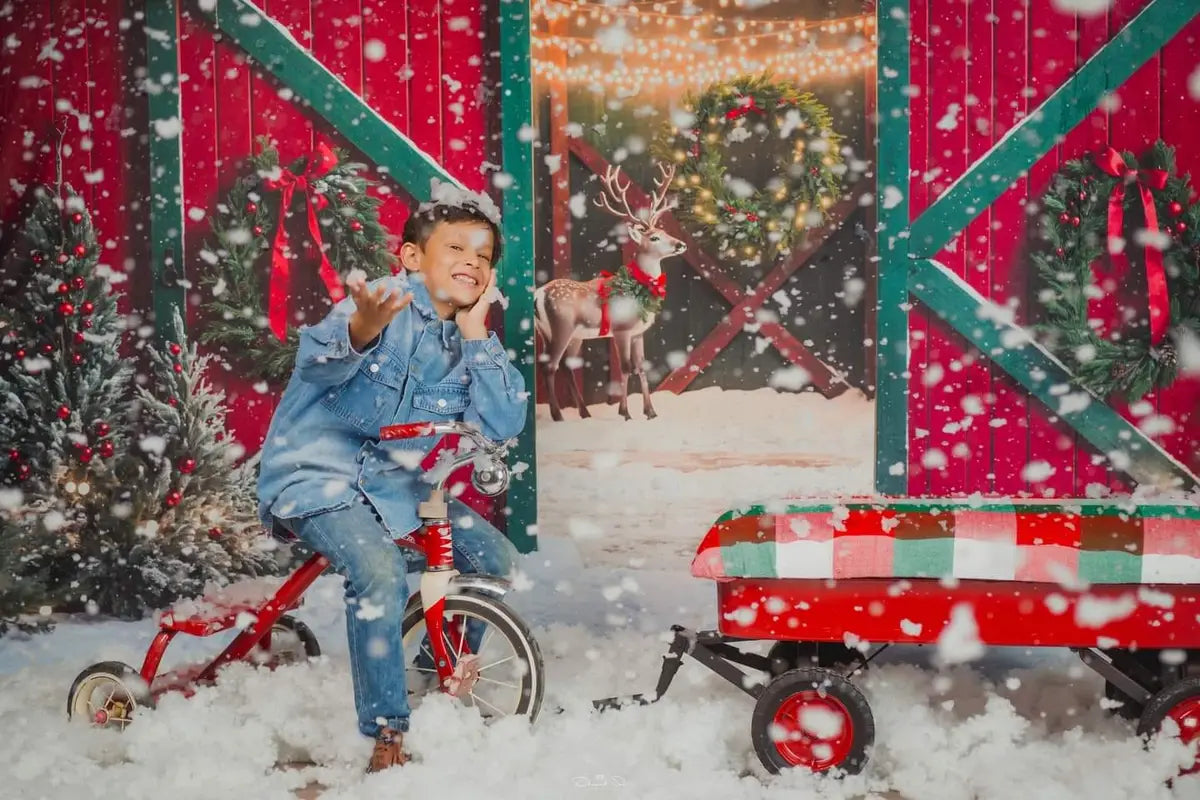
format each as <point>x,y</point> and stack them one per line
<point>656,286</point>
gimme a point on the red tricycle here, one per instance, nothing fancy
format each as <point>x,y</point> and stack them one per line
<point>505,676</point>
<point>833,583</point>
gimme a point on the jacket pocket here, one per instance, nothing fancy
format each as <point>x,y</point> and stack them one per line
<point>441,401</point>
<point>370,397</point>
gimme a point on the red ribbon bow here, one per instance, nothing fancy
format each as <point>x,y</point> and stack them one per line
<point>745,106</point>
<point>656,286</point>
<point>1112,164</point>
<point>320,163</point>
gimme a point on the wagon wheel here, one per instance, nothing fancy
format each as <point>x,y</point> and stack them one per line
<point>812,718</point>
<point>108,695</point>
<point>1180,703</point>
<point>791,655</point>
<point>1145,663</point>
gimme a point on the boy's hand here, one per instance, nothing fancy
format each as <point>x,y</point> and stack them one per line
<point>472,320</point>
<point>373,311</point>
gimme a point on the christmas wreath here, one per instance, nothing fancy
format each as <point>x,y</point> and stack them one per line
<point>341,221</point>
<point>745,222</point>
<point>1133,212</point>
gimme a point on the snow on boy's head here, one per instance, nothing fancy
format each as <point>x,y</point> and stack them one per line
<point>452,204</point>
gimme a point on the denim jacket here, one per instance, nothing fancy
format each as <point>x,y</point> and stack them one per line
<point>322,449</point>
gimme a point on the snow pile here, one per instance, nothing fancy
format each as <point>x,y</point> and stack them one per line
<point>1018,724</point>
<point>643,492</point>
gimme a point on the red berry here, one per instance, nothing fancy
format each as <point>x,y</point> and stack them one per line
<point>355,225</point>
<point>76,358</point>
<point>63,288</point>
<point>14,455</point>
<point>20,352</point>
<point>1176,208</point>
<point>63,412</point>
<point>258,231</point>
<point>47,348</point>
<point>1082,195</point>
<point>187,466</point>
<point>1064,218</point>
<point>1181,226</point>
<point>171,401</point>
<point>23,472</point>
<point>77,218</point>
<point>87,307</point>
<point>37,258</point>
<point>173,498</point>
<point>251,208</point>
<point>1076,221</point>
<point>66,309</point>
<point>341,196</point>
<point>78,282</point>
<point>79,338</point>
<point>85,455</point>
<point>175,349</point>
<point>63,258</point>
<point>80,250</point>
<point>1058,251</point>
<point>106,449</point>
<point>102,428</point>
<point>87,323</point>
<point>214,533</point>
<point>178,368</point>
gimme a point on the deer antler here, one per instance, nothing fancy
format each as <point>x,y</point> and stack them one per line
<point>613,188</point>
<point>658,204</point>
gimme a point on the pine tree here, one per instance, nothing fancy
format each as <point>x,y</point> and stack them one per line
<point>63,393</point>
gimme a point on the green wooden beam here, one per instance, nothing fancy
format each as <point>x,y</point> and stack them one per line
<point>274,49</point>
<point>166,166</point>
<point>517,134</point>
<point>891,311</point>
<point>985,325</point>
<point>1033,136</point>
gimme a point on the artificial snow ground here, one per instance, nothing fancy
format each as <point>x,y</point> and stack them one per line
<point>1016,725</point>
<point>616,494</point>
<point>643,492</point>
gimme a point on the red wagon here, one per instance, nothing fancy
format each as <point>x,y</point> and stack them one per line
<point>833,583</point>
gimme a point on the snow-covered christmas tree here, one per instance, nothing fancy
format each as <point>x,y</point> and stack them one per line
<point>98,468</point>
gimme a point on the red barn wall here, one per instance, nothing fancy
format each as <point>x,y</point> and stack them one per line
<point>977,68</point>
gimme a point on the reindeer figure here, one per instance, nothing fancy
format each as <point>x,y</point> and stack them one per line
<point>567,313</point>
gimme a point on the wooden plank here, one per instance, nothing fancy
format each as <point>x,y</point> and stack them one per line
<point>464,133</point>
<point>273,115</point>
<point>271,46</point>
<point>1153,27</point>
<point>166,165</point>
<point>425,50</point>
<point>1051,56</point>
<point>560,181</point>
<point>109,212</point>
<point>871,265</point>
<point>891,379</point>
<point>702,355</point>
<point>198,98</point>
<point>516,108</point>
<point>947,90</point>
<point>72,105</point>
<point>1009,421</point>
<point>978,110</point>
<point>1043,377</point>
<point>386,76</point>
<point>1091,136</point>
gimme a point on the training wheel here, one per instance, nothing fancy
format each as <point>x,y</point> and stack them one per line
<point>812,718</point>
<point>1180,703</point>
<point>108,695</point>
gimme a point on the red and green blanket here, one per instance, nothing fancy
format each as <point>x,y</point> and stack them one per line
<point>1070,542</point>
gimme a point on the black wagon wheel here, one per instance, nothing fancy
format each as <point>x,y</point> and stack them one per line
<point>1180,703</point>
<point>815,719</point>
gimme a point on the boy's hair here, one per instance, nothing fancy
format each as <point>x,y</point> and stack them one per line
<point>422,222</point>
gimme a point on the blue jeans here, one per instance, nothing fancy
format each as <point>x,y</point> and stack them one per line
<point>360,549</point>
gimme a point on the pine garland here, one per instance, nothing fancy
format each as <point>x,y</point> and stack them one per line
<point>1075,231</point>
<point>623,284</point>
<point>792,125</point>
<point>244,228</point>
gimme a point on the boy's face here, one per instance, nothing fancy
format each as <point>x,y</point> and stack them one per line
<point>456,263</point>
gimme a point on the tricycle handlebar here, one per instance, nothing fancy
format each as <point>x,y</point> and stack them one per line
<point>490,474</point>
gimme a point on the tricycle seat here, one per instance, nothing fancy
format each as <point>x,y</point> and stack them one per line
<point>1066,541</point>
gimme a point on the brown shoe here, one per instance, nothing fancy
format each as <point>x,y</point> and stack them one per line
<point>388,752</point>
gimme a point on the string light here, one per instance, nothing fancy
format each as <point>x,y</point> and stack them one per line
<point>584,12</point>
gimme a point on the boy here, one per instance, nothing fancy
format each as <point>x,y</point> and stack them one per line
<point>403,349</point>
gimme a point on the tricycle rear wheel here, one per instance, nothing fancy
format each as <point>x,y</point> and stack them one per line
<point>812,718</point>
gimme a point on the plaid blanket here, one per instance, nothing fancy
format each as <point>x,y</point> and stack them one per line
<point>1071,542</point>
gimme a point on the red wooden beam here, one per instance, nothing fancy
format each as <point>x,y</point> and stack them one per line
<point>702,355</point>
<point>779,336</point>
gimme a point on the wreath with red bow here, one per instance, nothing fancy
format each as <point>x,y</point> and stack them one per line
<point>1113,211</point>
<point>343,233</point>
<point>750,223</point>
